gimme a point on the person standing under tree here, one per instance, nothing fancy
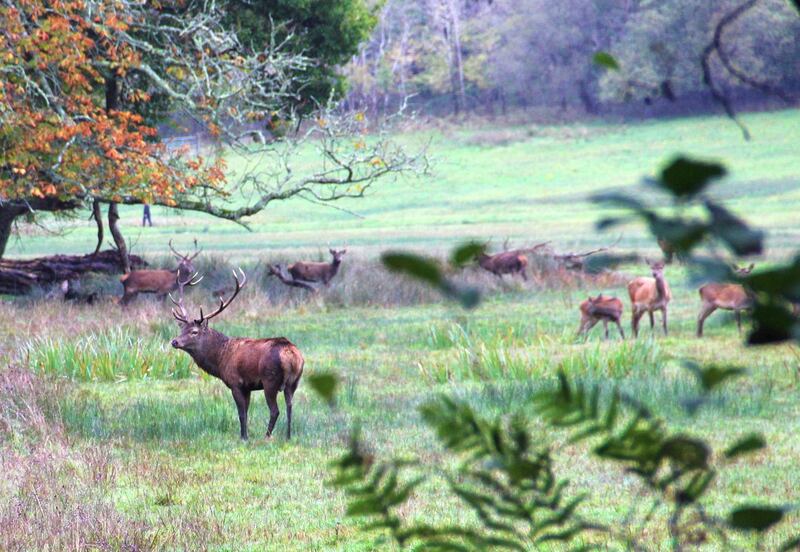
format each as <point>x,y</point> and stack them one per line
<point>146,216</point>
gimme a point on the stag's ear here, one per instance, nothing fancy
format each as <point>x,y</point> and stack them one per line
<point>751,267</point>
<point>331,251</point>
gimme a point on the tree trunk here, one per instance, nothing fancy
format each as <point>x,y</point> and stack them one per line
<point>7,216</point>
<point>98,218</point>
<point>122,249</point>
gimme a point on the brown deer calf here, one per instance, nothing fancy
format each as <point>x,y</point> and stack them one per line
<point>724,296</point>
<point>243,364</point>
<point>649,295</point>
<point>600,309</point>
<point>317,272</point>
<point>160,282</point>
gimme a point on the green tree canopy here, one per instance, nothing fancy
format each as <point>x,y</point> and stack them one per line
<point>327,31</point>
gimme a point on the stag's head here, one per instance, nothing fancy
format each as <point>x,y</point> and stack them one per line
<point>185,266</point>
<point>337,254</point>
<point>195,336</point>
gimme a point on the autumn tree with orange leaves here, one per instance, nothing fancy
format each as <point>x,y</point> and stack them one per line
<point>79,81</point>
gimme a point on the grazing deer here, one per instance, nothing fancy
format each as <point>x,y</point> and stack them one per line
<point>160,282</point>
<point>649,295</point>
<point>243,364</point>
<point>724,296</point>
<point>317,272</point>
<point>600,309</point>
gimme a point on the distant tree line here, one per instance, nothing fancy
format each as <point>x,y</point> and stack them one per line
<point>493,55</point>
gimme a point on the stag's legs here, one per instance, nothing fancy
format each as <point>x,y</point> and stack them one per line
<point>242,399</point>
<point>288,393</point>
<point>127,298</point>
<point>271,395</point>
<point>739,320</point>
<point>705,312</point>
<point>619,326</point>
<point>664,320</point>
<point>652,320</point>
<point>605,327</point>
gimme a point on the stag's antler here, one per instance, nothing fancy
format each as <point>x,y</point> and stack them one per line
<point>197,251</point>
<point>193,280</point>
<point>174,252</point>
<point>222,303</point>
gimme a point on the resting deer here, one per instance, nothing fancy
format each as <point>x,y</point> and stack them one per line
<point>649,295</point>
<point>600,309</point>
<point>243,364</point>
<point>724,296</point>
<point>317,272</point>
<point>160,282</point>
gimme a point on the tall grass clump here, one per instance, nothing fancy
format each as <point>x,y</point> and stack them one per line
<point>475,353</point>
<point>116,355</point>
<point>641,357</point>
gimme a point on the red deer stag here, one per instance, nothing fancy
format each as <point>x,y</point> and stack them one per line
<point>243,364</point>
<point>649,295</point>
<point>507,262</point>
<point>600,309</point>
<point>160,282</point>
<point>317,272</point>
<point>724,296</point>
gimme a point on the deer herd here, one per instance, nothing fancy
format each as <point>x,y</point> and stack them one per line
<point>275,364</point>
<point>650,294</point>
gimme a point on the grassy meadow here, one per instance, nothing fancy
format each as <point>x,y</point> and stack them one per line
<point>110,439</point>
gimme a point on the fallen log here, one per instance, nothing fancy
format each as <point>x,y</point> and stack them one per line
<point>20,276</point>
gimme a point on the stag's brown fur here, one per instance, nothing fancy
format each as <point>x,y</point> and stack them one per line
<point>600,309</point>
<point>509,262</point>
<point>317,272</point>
<point>243,364</point>
<point>649,295</point>
<point>724,296</point>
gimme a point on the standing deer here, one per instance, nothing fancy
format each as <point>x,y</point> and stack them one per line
<point>160,282</point>
<point>724,296</point>
<point>649,295</point>
<point>243,364</point>
<point>600,309</point>
<point>317,272</point>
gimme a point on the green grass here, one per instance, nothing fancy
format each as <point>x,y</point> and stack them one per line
<point>531,190</point>
<point>166,435</point>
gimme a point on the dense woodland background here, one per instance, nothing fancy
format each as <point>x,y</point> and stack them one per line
<point>489,56</point>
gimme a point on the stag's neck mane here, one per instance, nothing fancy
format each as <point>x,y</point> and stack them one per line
<point>209,358</point>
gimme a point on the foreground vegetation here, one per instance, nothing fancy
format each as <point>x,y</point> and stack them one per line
<point>95,401</point>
